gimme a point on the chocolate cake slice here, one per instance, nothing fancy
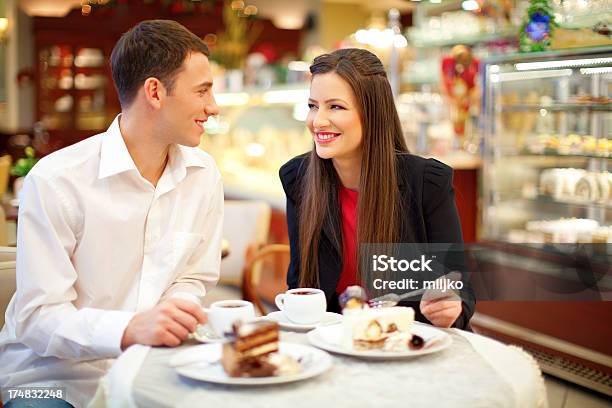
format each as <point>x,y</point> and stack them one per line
<point>246,355</point>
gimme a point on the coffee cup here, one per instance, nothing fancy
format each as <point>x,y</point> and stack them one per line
<point>302,305</point>
<point>224,313</point>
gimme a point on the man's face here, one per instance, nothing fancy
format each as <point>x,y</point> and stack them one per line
<point>186,109</point>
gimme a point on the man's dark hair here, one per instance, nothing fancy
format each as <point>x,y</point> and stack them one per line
<point>153,48</point>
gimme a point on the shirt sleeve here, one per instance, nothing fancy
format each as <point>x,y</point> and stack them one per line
<point>202,270</point>
<point>42,314</point>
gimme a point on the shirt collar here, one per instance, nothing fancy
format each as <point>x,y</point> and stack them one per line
<point>187,156</point>
<point>115,157</point>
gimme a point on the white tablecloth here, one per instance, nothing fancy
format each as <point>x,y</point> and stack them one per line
<point>474,372</point>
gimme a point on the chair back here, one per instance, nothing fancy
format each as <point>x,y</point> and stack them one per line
<point>3,228</point>
<point>246,225</point>
<point>7,279</point>
<point>252,271</point>
<point>5,172</point>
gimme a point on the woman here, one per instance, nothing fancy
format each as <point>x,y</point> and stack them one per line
<point>360,185</point>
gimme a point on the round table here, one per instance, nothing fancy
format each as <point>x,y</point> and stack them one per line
<point>474,371</point>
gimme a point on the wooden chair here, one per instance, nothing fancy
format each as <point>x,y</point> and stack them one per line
<point>5,173</point>
<point>251,275</point>
<point>7,278</point>
<point>3,228</point>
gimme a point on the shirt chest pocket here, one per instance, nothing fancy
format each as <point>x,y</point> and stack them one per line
<point>184,245</point>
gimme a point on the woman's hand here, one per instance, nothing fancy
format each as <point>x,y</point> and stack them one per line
<point>441,312</point>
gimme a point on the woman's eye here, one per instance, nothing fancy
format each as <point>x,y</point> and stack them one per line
<point>311,106</point>
<point>337,107</point>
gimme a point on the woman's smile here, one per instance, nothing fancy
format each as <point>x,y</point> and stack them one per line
<point>324,138</point>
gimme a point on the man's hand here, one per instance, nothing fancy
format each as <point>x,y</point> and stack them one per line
<point>441,312</point>
<point>167,324</point>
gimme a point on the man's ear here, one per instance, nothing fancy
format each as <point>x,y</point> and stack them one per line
<point>154,92</point>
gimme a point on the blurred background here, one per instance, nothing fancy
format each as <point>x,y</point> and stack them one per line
<point>515,95</point>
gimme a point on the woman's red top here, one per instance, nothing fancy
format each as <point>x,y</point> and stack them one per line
<point>348,203</point>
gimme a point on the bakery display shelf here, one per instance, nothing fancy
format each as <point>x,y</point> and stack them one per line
<point>552,153</point>
<point>546,199</point>
<point>559,107</point>
<point>546,160</point>
<point>539,161</point>
<point>466,40</point>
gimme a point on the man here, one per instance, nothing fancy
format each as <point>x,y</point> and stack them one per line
<point>119,235</point>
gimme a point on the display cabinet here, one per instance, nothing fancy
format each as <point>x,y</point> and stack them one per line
<point>547,210</point>
<point>548,147</point>
<point>75,95</point>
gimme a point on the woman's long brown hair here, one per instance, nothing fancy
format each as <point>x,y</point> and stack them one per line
<point>379,205</point>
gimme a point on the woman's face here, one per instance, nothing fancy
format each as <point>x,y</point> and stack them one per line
<point>334,120</point>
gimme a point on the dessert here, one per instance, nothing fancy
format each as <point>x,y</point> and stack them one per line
<point>370,329</point>
<point>587,188</point>
<point>572,144</point>
<point>560,183</point>
<point>365,328</point>
<point>576,185</point>
<point>564,230</point>
<point>253,351</point>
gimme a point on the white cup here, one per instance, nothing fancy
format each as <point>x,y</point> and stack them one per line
<point>302,305</point>
<point>224,313</point>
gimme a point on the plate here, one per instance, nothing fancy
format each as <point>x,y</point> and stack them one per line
<point>203,362</point>
<point>329,318</point>
<point>330,338</point>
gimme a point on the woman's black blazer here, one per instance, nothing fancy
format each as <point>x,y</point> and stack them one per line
<point>426,187</point>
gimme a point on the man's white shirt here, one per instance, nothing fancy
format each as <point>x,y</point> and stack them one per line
<point>97,243</point>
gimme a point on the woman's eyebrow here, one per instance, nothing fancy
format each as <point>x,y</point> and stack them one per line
<point>329,100</point>
<point>335,100</point>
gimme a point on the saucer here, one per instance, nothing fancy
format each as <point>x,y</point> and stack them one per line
<point>329,318</point>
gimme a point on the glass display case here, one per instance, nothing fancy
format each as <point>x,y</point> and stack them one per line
<point>73,85</point>
<point>547,210</point>
<point>548,147</point>
<point>75,94</point>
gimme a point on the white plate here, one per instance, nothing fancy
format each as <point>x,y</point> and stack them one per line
<point>329,318</point>
<point>203,362</point>
<point>330,338</point>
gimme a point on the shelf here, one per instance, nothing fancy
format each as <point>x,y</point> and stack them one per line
<point>560,107</point>
<point>552,154</point>
<point>540,199</point>
<point>101,70</point>
<point>467,40</point>
<point>544,199</point>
